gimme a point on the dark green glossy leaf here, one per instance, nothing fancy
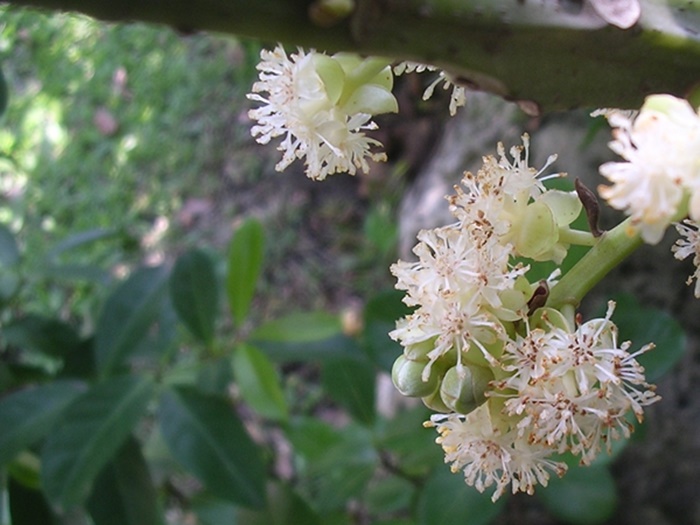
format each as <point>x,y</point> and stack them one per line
<point>127,316</point>
<point>584,495</point>
<point>123,493</point>
<point>284,507</point>
<point>351,383</point>
<point>643,325</point>
<point>194,292</point>
<point>92,429</point>
<point>205,435</point>
<point>259,383</point>
<point>28,506</point>
<point>42,334</point>
<point>28,415</point>
<point>381,314</point>
<point>447,500</point>
<point>245,259</point>
<point>9,251</point>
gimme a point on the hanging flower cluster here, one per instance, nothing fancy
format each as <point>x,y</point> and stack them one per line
<point>514,384</point>
<point>659,181</point>
<point>321,106</point>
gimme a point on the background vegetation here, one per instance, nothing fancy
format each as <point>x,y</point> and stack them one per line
<point>188,337</point>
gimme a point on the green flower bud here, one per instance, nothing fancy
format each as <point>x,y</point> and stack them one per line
<point>463,387</point>
<point>407,377</point>
<point>434,402</point>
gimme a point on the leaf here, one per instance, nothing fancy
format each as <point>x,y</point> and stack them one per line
<point>205,435</point>
<point>584,495</point>
<point>28,506</point>
<point>642,325</point>
<point>123,493</point>
<point>259,383</point>
<point>284,507</point>
<point>336,464</point>
<point>411,445</point>
<point>299,327</point>
<point>93,428</point>
<point>447,500</point>
<point>49,336</point>
<point>390,494</point>
<point>194,292</point>
<point>76,240</point>
<point>28,415</point>
<point>9,251</point>
<point>126,317</point>
<point>245,259</point>
<point>381,313</point>
<point>351,383</point>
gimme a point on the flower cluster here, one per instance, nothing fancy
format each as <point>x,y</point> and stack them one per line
<point>514,384</point>
<point>321,106</point>
<point>661,172</point>
<point>458,98</point>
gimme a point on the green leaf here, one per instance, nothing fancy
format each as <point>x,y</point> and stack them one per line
<point>390,494</point>
<point>28,415</point>
<point>212,511</point>
<point>49,336</point>
<point>244,264</point>
<point>336,464</point>
<point>123,493</point>
<point>28,506</point>
<point>215,376</point>
<point>584,495</point>
<point>76,240</point>
<point>3,94</point>
<point>205,435</point>
<point>92,429</point>
<point>194,292</point>
<point>284,507</point>
<point>351,383</point>
<point>643,325</point>
<point>447,500</point>
<point>127,316</point>
<point>9,251</point>
<point>300,327</point>
<point>411,445</point>
<point>309,336</point>
<point>381,313</point>
<point>259,383</point>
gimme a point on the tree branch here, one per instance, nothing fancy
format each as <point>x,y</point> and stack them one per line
<point>549,54</point>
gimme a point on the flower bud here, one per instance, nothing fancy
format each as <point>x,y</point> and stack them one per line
<point>407,377</point>
<point>463,387</point>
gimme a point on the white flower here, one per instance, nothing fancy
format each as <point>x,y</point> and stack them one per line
<point>689,245</point>
<point>458,98</point>
<point>661,146</point>
<point>302,105</point>
<point>488,455</point>
<point>573,390</point>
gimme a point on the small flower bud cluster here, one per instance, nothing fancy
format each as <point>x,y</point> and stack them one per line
<point>514,387</point>
<point>321,105</point>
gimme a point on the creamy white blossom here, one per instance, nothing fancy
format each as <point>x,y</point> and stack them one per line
<point>300,97</point>
<point>489,453</point>
<point>458,97</point>
<point>661,148</point>
<point>687,245</point>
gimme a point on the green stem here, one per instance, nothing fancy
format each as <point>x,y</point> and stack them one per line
<point>610,250</point>
<point>577,237</point>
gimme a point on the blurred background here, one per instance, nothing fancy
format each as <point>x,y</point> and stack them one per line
<point>128,146</point>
